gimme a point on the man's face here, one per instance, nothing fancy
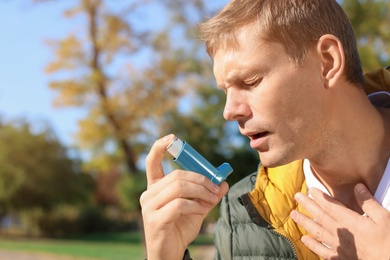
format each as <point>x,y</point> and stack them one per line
<point>281,106</point>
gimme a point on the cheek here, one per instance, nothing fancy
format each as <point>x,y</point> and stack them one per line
<point>298,109</point>
<point>288,102</point>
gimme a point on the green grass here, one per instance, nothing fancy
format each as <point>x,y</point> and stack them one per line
<point>111,246</point>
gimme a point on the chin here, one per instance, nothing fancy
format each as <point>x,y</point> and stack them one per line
<point>272,160</point>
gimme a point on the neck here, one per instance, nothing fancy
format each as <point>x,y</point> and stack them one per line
<point>359,153</point>
<point>342,187</point>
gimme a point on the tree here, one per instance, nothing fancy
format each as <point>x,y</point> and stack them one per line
<point>37,171</point>
<point>370,19</point>
<point>100,70</point>
<point>128,105</point>
<point>122,106</point>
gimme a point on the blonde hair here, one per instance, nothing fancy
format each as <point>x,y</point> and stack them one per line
<point>296,24</point>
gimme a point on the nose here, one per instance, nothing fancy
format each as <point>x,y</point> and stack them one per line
<point>236,106</point>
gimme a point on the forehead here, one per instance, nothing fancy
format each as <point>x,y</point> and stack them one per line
<point>250,54</point>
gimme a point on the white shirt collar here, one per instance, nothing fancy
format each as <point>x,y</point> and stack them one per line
<point>382,193</point>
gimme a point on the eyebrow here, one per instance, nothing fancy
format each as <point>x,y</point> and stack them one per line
<point>248,75</point>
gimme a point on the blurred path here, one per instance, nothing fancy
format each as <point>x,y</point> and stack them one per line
<point>10,255</point>
<point>202,253</point>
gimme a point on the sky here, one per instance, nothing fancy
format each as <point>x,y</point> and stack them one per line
<point>24,91</point>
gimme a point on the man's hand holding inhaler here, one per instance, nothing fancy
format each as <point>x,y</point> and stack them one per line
<point>174,205</point>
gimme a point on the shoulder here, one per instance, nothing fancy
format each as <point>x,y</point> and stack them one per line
<point>377,80</point>
<point>230,204</point>
<point>243,186</point>
<point>233,217</point>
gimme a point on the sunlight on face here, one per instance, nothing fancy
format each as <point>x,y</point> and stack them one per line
<point>278,104</point>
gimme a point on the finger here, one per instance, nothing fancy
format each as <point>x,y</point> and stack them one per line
<point>368,203</point>
<point>176,181</point>
<point>165,184</point>
<point>154,170</point>
<point>319,212</point>
<point>314,228</point>
<point>159,220</point>
<point>334,210</point>
<point>176,209</point>
<point>181,189</point>
<point>223,189</point>
<point>318,248</point>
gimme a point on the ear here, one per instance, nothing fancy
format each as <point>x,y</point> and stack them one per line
<point>332,56</point>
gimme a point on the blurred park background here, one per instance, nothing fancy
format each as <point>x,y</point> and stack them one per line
<point>86,87</point>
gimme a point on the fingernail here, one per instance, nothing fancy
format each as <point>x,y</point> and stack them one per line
<point>360,189</point>
<point>305,240</point>
<point>215,188</point>
<point>298,196</point>
<point>293,214</point>
<point>168,137</point>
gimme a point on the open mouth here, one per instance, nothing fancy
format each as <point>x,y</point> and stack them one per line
<point>258,135</point>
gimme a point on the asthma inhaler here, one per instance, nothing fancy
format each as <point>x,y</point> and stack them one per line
<point>189,159</point>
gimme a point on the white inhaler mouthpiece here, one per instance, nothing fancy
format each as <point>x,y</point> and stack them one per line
<point>175,147</point>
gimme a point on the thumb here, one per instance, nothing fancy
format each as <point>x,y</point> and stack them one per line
<point>367,202</point>
<point>154,169</point>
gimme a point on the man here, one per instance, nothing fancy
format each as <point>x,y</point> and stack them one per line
<point>294,83</point>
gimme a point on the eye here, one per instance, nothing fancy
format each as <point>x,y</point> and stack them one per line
<point>252,83</point>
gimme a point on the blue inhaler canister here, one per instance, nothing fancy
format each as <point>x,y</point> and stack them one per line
<point>189,159</point>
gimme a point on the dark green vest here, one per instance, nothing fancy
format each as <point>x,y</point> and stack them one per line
<point>242,234</point>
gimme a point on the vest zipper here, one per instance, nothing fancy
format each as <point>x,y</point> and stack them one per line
<point>288,240</point>
<point>246,202</point>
